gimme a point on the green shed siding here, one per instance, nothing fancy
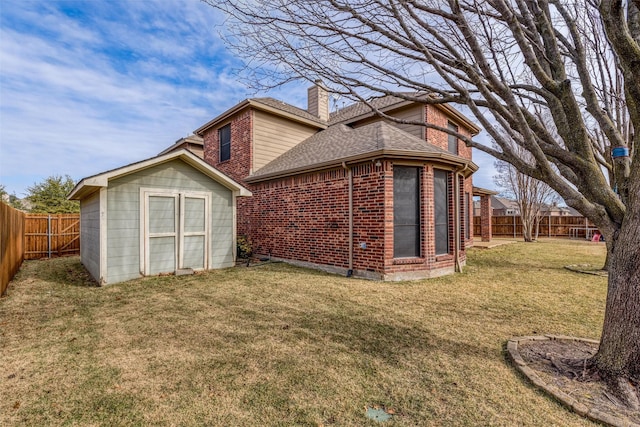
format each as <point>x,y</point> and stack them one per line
<point>123,216</point>
<point>90,236</point>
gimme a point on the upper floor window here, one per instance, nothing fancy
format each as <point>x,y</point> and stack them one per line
<point>453,139</point>
<point>224,136</point>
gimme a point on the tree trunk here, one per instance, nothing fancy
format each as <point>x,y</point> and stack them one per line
<point>618,358</point>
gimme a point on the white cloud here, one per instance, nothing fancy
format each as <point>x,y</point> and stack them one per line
<point>90,90</point>
<point>108,86</point>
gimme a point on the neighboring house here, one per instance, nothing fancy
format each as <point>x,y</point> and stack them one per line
<point>555,210</point>
<point>504,207</point>
<point>167,214</point>
<point>349,192</point>
<point>193,143</point>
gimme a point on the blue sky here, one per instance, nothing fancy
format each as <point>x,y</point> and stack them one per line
<point>88,86</point>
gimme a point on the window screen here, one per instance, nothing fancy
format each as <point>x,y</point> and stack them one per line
<point>441,205</point>
<point>406,212</point>
<point>453,140</point>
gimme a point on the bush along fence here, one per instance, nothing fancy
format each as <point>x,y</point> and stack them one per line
<point>49,235</point>
<point>12,225</point>
<point>575,227</point>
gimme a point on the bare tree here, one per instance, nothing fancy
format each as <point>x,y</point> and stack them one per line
<point>530,194</point>
<point>501,60</point>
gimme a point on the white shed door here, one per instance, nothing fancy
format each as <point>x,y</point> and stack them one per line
<point>175,231</point>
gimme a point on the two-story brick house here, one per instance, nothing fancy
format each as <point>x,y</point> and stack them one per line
<point>349,192</point>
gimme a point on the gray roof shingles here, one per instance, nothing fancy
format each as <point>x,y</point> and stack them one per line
<point>359,108</point>
<point>340,142</point>
<point>288,108</point>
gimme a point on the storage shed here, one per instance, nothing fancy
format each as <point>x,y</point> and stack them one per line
<point>170,213</point>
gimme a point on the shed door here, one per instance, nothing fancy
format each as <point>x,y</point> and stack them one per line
<point>175,231</point>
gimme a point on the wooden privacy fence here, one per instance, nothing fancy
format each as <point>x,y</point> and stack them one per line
<point>11,243</point>
<point>576,227</point>
<point>49,235</point>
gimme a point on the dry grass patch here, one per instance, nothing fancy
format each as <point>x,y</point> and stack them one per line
<point>277,345</point>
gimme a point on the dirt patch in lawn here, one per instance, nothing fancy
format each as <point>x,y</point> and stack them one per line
<point>586,393</point>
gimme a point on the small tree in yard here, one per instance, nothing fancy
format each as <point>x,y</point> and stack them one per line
<point>530,194</point>
<point>504,61</point>
<point>50,196</point>
<point>11,199</point>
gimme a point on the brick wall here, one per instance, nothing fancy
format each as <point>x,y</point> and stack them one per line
<point>238,167</point>
<point>372,215</point>
<point>304,218</point>
<point>436,116</point>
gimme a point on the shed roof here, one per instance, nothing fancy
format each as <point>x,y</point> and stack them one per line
<point>88,185</point>
<point>341,143</point>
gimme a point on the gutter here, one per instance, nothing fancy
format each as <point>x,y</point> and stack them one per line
<point>466,166</point>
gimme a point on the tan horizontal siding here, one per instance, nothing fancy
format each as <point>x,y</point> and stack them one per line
<point>273,135</point>
<point>413,113</point>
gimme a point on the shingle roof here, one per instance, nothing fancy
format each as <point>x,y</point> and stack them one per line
<point>91,183</point>
<point>191,139</point>
<point>340,143</point>
<point>288,108</point>
<point>360,108</point>
<point>267,104</point>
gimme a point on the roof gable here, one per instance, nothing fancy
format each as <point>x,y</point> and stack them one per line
<point>90,184</point>
<point>270,105</point>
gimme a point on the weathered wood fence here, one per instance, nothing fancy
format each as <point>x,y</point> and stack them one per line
<point>576,227</point>
<point>11,243</point>
<point>49,235</point>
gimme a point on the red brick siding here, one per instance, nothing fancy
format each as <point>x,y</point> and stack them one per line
<point>238,167</point>
<point>303,218</point>
<point>372,187</point>
<point>436,116</point>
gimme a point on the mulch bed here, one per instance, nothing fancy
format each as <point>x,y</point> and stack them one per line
<point>544,358</point>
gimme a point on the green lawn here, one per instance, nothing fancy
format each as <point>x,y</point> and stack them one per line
<point>277,345</point>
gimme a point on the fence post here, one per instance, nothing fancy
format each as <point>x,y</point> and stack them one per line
<point>59,231</point>
<point>49,236</point>
<point>514,226</point>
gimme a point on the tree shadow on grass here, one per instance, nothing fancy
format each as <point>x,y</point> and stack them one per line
<point>357,333</point>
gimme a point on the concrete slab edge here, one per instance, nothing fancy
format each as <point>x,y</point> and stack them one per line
<point>555,392</point>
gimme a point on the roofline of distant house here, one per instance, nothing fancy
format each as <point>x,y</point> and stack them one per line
<point>467,166</point>
<point>405,103</point>
<point>188,140</point>
<point>479,191</point>
<point>258,106</point>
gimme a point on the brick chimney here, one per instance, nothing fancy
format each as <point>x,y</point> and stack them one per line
<point>318,100</point>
